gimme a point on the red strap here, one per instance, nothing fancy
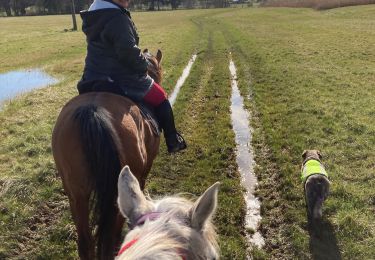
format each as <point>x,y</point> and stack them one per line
<point>132,242</point>
<point>182,255</point>
<point>127,246</point>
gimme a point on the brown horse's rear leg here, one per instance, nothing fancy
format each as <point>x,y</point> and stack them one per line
<point>113,243</point>
<point>80,213</point>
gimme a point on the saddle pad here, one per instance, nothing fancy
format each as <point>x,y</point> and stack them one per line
<point>107,86</point>
<point>149,115</point>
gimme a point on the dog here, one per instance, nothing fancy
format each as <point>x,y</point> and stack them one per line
<point>316,183</point>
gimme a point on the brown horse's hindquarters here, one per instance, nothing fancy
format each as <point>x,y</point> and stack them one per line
<point>95,135</point>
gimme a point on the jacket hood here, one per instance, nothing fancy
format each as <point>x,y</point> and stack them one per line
<point>102,4</point>
<point>93,22</point>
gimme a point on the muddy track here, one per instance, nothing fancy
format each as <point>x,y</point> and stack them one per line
<point>269,189</point>
<point>203,115</point>
<point>270,185</point>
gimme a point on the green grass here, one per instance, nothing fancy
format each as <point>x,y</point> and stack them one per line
<point>311,77</point>
<point>316,4</point>
<point>309,80</point>
<point>35,219</point>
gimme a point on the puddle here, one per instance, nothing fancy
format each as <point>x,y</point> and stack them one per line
<point>17,82</point>
<point>181,80</point>
<point>245,159</point>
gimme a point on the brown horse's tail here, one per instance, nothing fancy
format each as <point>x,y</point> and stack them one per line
<point>99,145</point>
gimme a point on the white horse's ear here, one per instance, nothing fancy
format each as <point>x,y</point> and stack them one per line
<point>131,200</point>
<point>159,56</point>
<point>204,207</point>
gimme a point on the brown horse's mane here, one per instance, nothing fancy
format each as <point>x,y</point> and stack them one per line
<point>154,70</point>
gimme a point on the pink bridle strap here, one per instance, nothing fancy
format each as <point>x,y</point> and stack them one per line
<point>149,216</point>
<point>127,246</point>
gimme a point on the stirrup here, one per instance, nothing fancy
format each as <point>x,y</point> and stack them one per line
<point>175,143</point>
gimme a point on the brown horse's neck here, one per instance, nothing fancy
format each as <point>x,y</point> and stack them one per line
<point>154,69</point>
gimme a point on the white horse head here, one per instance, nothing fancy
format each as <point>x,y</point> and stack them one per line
<point>169,228</point>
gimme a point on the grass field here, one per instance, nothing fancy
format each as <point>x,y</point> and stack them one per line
<point>309,80</point>
<point>316,4</point>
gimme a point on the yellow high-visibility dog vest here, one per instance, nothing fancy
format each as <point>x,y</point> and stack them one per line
<point>312,167</point>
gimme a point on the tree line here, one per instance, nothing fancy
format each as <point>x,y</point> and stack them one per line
<point>50,7</point>
<point>40,7</point>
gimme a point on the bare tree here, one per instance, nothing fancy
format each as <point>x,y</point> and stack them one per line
<point>19,6</point>
<point>74,16</point>
<point>5,5</point>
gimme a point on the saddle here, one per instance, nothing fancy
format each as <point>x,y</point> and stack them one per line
<point>105,85</point>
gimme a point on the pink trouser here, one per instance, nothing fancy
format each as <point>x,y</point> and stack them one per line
<point>156,95</point>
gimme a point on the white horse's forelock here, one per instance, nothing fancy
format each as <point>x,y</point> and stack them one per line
<point>171,236</point>
<point>154,241</point>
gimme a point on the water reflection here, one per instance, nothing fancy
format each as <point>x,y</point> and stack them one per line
<point>17,82</point>
<point>181,80</point>
<point>245,159</point>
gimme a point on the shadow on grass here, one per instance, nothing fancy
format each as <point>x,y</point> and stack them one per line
<point>323,242</point>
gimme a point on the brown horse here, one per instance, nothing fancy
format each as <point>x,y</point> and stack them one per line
<point>95,135</point>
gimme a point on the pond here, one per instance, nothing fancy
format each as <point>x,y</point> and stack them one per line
<point>18,82</point>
